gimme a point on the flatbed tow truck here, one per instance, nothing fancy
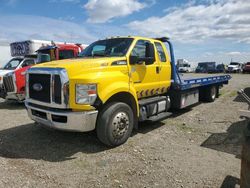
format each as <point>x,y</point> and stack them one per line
<point>116,83</point>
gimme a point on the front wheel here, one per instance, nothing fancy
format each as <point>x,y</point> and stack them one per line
<point>115,124</point>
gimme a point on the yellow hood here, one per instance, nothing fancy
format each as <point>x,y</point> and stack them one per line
<point>81,65</point>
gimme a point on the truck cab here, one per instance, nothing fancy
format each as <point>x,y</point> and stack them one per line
<point>14,81</point>
<point>116,83</point>
<point>183,66</point>
<point>14,65</point>
<point>246,68</point>
<point>59,51</point>
<point>234,67</point>
<point>206,67</point>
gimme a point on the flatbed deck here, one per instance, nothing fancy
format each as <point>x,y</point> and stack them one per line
<point>182,84</point>
<point>199,81</point>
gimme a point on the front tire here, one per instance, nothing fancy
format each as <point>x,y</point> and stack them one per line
<point>115,124</point>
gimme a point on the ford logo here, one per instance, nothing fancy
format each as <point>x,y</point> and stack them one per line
<point>37,87</point>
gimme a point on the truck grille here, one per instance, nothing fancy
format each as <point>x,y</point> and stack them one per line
<point>8,83</point>
<point>45,87</point>
<point>50,88</point>
<point>57,89</point>
<point>39,87</point>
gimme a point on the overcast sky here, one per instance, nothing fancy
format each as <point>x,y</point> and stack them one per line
<point>204,30</point>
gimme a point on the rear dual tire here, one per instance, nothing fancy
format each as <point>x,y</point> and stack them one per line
<point>209,94</point>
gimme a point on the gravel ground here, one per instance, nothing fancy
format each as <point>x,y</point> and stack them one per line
<point>198,147</point>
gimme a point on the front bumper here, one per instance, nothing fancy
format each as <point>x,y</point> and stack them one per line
<point>64,120</point>
<point>15,96</point>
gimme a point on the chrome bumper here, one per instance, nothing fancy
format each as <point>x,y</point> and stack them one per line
<point>73,121</point>
<point>15,96</point>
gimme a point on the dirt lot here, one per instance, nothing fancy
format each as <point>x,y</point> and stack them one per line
<point>199,147</point>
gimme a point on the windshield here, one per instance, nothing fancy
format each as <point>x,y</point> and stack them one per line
<point>111,47</point>
<point>248,63</point>
<point>51,55</point>
<point>234,63</point>
<point>13,64</point>
<point>184,65</point>
<point>220,66</point>
<point>208,65</point>
<point>202,66</point>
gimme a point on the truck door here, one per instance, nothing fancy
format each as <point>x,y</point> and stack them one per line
<point>164,68</point>
<point>144,76</point>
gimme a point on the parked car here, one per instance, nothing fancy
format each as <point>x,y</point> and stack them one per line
<point>220,68</point>
<point>206,67</point>
<point>234,67</point>
<point>246,68</point>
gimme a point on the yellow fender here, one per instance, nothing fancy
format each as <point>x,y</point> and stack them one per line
<point>106,92</point>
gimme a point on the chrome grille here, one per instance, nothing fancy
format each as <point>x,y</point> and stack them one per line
<point>43,81</point>
<point>8,83</point>
<point>45,87</point>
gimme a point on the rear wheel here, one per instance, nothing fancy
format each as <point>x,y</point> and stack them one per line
<point>211,93</point>
<point>115,124</point>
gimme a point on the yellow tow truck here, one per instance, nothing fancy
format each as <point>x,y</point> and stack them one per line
<point>113,85</point>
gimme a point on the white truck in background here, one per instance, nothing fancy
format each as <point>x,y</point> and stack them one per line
<point>184,65</point>
<point>235,67</point>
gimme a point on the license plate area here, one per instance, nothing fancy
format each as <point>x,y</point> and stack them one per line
<point>39,114</point>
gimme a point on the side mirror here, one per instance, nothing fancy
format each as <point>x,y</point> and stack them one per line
<point>137,60</point>
<point>150,53</point>
<point>133,59</point>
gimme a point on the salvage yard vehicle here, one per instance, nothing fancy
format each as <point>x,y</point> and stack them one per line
<point>117,83</point>
<point>14,82</point>
<point>234,67</point>
<point>24,54</point>
<point>183,66</point>
<point>206,67</point>
<point>246,68</point>
<point>220,68</point>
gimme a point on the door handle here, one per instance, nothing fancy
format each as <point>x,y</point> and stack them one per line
<point>157,70</point>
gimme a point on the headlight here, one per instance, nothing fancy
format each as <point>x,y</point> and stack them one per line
<point>85,93</point>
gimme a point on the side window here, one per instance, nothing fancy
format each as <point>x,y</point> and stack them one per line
<point>160,52</point>
<point>28,62</point>
<point>99,49</point>
<point>140,49</point>
<point>66,54</point>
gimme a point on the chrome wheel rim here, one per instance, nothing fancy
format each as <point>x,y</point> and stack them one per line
<point>120,125</point>
<point>213,92</point>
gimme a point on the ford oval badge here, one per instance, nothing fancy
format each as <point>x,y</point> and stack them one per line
<point>37,87</point>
